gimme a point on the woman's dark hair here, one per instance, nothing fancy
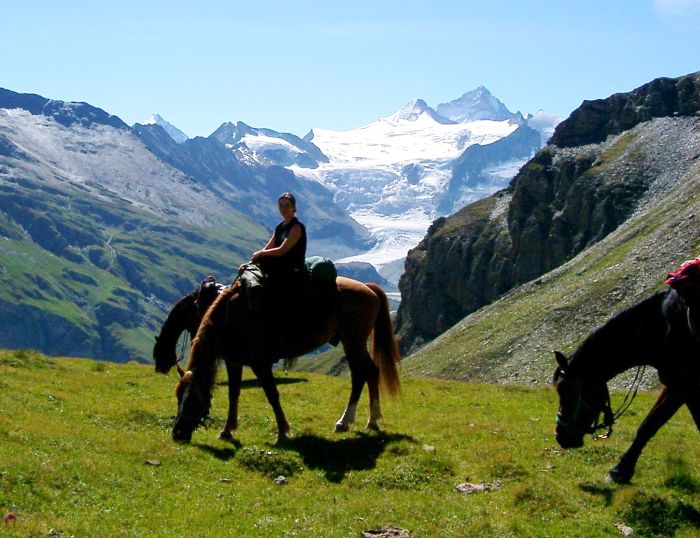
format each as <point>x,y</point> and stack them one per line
<point>289,196</point>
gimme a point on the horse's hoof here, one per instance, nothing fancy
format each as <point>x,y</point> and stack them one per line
<point>618,476</point>
<point>225,435</point>
<point>373,427</point>
<point>283,439</point>
<point>341,427</point>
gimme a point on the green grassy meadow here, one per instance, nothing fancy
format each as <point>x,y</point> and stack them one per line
<point>76,436</point>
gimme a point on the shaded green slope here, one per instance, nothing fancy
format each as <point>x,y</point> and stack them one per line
<point>96,277</point>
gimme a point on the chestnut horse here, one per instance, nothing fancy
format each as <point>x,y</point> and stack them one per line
<point>662,331</point>
<point>225,332</point>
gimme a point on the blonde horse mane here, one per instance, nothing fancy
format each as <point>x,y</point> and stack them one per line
<point>203,353</point>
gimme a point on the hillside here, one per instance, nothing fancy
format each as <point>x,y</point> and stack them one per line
<point>616,160</point>
<point>97,236</point>
<point>85,450</point>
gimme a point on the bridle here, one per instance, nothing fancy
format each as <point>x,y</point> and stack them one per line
<point>609,416</point>
<point>196,391</point>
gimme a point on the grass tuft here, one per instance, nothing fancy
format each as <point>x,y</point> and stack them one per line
<point>654,515</point>
<point>25,358</point>
<point>270,463</point>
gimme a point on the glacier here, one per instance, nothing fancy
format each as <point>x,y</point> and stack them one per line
<point>396,175</point>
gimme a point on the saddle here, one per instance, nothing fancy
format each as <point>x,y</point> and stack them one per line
<point>686,282</point>
<point>312,295</point>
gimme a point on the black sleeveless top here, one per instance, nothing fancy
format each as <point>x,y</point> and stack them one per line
<point>295,257</point>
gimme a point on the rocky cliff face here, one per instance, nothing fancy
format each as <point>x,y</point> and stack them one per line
<point>602,164</point>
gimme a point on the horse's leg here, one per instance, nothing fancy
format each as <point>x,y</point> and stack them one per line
<point>267,380</point>
<point>235,373</point>
<point>375,410</point>
<point>358,377</point>
<point>363,370</point>
<point>693,403</point>
<point>665,407</point>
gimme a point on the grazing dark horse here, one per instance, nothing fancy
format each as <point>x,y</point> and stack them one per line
<point>224,333</point>
<point>662,331</point>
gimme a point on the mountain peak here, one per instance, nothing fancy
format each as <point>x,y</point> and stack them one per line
<point>173,132</point>
<point>414,109</point>
<point>65,113</point>
<point>477,104</point>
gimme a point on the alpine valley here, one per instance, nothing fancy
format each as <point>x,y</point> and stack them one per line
<point>103,226</point>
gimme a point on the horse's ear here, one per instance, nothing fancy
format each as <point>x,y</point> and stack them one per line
<point>562,361</point>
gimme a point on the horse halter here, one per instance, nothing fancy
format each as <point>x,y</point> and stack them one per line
<point>609,416</point>
<point>196,391</point>
<point>571,425</point>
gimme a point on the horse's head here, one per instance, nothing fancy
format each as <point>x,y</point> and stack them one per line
<point>192,407</point>
<point>581,400</point>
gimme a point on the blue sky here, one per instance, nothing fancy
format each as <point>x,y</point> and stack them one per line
<point>291,66</point>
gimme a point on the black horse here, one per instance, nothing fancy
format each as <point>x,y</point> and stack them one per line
<point>662,331</point>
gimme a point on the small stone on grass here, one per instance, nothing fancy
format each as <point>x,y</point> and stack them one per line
<point>388,531</point>
<point>478,488</point>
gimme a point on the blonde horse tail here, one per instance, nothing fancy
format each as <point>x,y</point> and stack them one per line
<point>385,349</point>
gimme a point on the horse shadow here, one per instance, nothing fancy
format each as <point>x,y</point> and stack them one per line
<point>223,454</point>
<point>335,457</point>
<point>254,383</point>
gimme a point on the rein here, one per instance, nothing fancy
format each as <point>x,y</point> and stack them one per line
<point>609,417</point>
<point>184,345</point>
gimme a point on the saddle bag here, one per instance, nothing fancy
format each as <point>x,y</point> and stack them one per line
<point>321,271</point>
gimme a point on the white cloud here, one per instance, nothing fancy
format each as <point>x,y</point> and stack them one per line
<point>677,7</point>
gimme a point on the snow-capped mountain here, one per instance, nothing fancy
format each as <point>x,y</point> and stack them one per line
<point>387,174</point>
<point>398,174</point>
<point>266,146</point>
<point>478,104</point>
<point>416,108</point>
<point>173,132</point>
<point>545,123</point>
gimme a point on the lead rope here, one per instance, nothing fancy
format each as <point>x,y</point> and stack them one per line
<point>631,393</point>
